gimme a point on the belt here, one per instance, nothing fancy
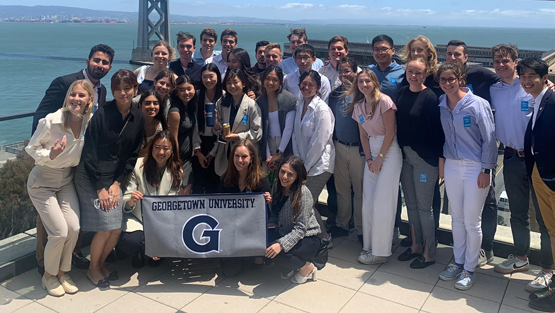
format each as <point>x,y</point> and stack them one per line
<point>517,152</point>
<point>354,144</point>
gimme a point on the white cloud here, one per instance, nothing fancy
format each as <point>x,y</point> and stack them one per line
<point>352,6</point>
<point>296,5</point>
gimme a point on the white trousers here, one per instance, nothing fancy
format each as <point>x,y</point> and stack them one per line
<point>467,202</point>
<point>379,198</point>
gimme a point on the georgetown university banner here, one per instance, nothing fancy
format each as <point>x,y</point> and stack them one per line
<point>205,226</point>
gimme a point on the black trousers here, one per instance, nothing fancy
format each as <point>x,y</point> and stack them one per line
<point>489,216</point>
<point>206,180</point>
<point>297,257</point>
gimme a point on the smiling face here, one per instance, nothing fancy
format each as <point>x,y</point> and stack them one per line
<point>150,106</point>
<point>416,73</point>
<point>123,94</point>
<point>504,66</point>
<point>163,86</point>
<point>532,82</point>
<point>272,82</point>
<point>294,42</point>
<point>209,79</point>
<point>208,43</point>
<point>346,74</point>
<point>242,158</point>
<point>336,52</point>
<point>234,86</point>
<point>228,43</point>
<point>186,49</point>
<point>160,55</point>
<point>186,92</point>
<point>309,88</point>
<point>79,98</point>
<point>383,53</point>
<point>99,65</point>
<point>161,151</point>
<point>304,61</point>
<point>418,49</point>
<point>273,57</point>
<point>456,53</point>
<point>287,176</point>
<point>365,84</point>
<point>233,62</point>
<point>449,82</point>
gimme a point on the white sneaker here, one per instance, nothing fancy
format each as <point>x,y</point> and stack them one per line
<point>511,265</point>
<point>366,257</point>
<point>485,257</point>
<point>540,283</point>
<point>466,280</point>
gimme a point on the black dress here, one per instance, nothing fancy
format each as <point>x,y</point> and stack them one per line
<point>112,146</point>
<point>187,135</point>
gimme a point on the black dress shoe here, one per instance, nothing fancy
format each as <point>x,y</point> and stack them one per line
<point>138,260</point>
<point>80,261</point>
<point>408,255</point>
<point>337,231</point>
<point>406,242</point>
<point>420,262</point>
<point>40,269</point>
<point>544,304</point>
<point>113,276</point>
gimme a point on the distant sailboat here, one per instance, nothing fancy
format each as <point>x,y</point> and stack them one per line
<point>367,40</point>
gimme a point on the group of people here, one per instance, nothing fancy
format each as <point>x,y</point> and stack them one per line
<point>211,122</point>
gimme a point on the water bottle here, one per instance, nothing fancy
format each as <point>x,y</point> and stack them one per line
<point>210,114</point>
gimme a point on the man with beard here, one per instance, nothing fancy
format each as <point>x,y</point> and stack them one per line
<point>99,64</point>
<point>260,51</point>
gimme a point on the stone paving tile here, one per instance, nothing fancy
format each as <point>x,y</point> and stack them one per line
<point>265,282</point>
<point>318,296</point>
<point>442,300</point>
<point>346,274</point>
<point>526,277</point>
<point>516,296</point>
<point>486,287</point>
<point>131,278</point>
<point>27,284</point>
<point>132,302</point>
<point>362,303</point>
<point>226,299</point>
<point>488,269</point>
<point>89,298</point>
<point>176,289</point>
<point>429,275</point>
<point>510,309</point>
<point>11,301</point>
<point>276,307</point>
<point>397,289</point>
<point>347,250</point>
<point>32,308</point>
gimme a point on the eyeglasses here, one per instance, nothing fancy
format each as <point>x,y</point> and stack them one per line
<point>381,50</point>
<point>303,58</point>
<point>346,72</point>
<point>449,80</point>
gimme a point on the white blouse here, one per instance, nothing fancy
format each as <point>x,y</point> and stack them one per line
<point>48,131</point>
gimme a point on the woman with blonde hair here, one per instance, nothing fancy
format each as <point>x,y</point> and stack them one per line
<point>161,54</point>
<point>422,47</point>
<point>56,147</point>
<point>375,114</point>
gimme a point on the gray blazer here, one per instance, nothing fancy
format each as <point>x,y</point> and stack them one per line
<point>247,124</point>
<point>305,225</point>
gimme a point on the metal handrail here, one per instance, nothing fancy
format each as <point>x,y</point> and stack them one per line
<point>16,116</point>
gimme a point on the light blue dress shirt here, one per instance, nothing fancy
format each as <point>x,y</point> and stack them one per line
<point>197,56</point>
<point>390,79</point>
<point>513,110</point>
<point>289,66</point>
<point>469,130</point>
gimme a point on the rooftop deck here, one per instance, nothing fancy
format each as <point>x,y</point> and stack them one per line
<point>344,285</point>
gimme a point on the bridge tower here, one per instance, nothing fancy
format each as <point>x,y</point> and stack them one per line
<point>151,30</point>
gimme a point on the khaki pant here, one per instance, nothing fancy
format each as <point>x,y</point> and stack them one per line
<point>42,239</point>
<point>546,202</point>
<point>55,199</point>
<point>348,173</point>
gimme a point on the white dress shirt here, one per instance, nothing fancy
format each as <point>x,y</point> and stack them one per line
<point>220,63</point>
<point>537,102</point>
<point>291,84</point>
<point>48,131</point>
<point>312,137</point>
<point>330,72</point>
<point>289,66</point>
<point>96,88</point>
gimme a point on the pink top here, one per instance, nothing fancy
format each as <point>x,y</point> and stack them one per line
<point>375,125</point>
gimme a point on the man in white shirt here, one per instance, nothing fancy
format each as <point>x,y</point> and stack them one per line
<point>208,39</point>
<point>338,48</point>
<point>305,57</point>
<point>296,38</point>
<point>273,54</point>
<point>229,42</point>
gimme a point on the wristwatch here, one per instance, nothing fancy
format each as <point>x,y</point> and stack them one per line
<point>381,154</point>
<point>486,171</point>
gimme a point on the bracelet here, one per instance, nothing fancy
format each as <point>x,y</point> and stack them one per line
<point>368,160</point>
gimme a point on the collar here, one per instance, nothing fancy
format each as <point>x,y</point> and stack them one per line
<point>462,103</point>
<point>538,99</point>
<point>95,86</point>
<point>57,117</point>
<point>189,65</point>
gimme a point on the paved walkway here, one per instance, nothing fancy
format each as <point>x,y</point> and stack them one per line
<point>344,285</point>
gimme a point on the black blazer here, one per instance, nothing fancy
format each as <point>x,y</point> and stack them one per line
<point>55,95</point>
<point>194,71</point>
<point>542,138</point>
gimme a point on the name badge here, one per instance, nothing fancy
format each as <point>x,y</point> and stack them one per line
<point>469,86</point>
<point>524,106</point>
<point>361,118</point>
<point>423,178</point>
<point>393,82</point>
<point>245,119</point>
<point>467,121</point>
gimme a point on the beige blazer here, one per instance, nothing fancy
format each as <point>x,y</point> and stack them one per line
<point>137,181</point>
<point>247,124</point>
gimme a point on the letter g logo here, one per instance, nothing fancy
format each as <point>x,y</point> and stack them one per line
<point>213,234</point>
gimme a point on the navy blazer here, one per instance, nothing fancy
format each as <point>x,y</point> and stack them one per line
<point>542,138</point>
<point>55,95</point>
<point>194,71</point>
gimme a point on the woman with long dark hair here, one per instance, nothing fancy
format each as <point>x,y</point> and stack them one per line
<point>278,109</point>
<point>182,124</point>
<point>211,90</point>
<point>151,104</point>
<point>297,230</point>
<point>239,59</point>
<point>112,144</point>
<point>240,112</point>
<point>159,173</point>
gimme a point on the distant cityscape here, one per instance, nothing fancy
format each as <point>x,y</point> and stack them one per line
<point>66,19</point>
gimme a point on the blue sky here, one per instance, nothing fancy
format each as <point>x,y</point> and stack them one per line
<point>514,13</point>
